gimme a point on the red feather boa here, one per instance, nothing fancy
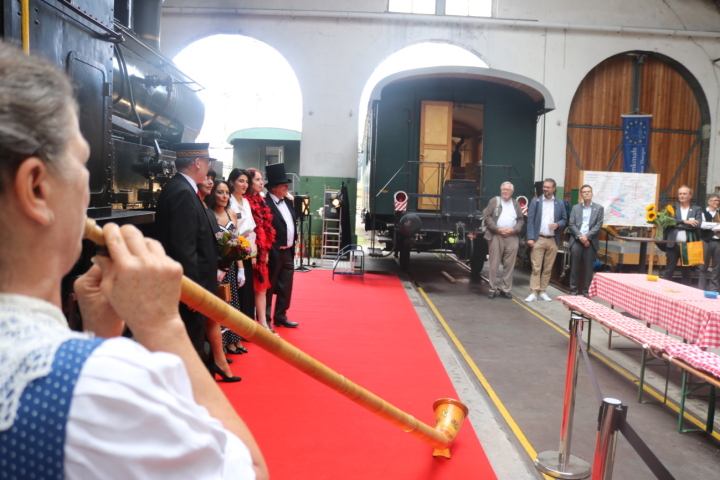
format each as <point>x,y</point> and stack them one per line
<point>265,238</point>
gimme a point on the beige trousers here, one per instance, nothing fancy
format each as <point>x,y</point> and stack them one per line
<point>542,258</point>
<point>502,250</point>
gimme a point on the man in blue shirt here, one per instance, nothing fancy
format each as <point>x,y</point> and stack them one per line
<point>546,218</point>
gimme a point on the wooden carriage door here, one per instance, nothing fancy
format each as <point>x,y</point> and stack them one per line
<point>435,151</point>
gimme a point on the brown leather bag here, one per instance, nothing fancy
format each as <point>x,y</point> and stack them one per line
<point>224,292</point>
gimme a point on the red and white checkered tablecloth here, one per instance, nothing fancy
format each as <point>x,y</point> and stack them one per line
<point>680,309</point>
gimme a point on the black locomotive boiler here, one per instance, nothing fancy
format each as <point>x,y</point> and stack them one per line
<point>134,102</point>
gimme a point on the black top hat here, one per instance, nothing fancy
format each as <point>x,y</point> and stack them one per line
<point>192,150</point>
<point>276,175</point>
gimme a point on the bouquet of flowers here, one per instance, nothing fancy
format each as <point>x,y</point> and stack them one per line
<point>663,218</point>
<point>233,246</point>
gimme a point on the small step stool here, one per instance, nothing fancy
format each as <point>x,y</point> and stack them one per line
<point>350,261</point>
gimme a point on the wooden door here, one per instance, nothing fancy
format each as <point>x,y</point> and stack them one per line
<point>435,151</point>
<point>651,85</point>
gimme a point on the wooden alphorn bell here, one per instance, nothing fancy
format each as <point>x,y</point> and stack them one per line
<point>449,413</point>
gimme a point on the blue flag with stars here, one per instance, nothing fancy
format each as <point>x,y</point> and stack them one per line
<point>636,133</point>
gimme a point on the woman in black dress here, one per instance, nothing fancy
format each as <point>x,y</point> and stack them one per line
<point>218,201</point>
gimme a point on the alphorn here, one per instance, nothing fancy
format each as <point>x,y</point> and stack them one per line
<point>449,413</point>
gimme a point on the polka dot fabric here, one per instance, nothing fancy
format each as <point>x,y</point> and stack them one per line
<point>33,448</point>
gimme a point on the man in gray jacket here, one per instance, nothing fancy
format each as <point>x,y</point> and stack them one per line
<point>586,220</point>
<point>503,221</point>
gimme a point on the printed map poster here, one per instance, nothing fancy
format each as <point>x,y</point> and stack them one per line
<point>623,195</point>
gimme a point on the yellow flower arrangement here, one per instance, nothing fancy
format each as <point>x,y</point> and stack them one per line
<point>663,218</point>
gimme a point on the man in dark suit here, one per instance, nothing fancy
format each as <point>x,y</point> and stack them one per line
<point>586,220</point>
<point>688,218</point>
<point>186,231</point>
<point>546,218</point>
<point>281,263</point>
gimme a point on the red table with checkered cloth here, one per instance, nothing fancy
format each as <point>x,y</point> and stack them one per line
<point>677,308</point>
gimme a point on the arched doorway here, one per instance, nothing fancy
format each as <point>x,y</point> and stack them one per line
<point>247,85</point>
<point>648,83</point>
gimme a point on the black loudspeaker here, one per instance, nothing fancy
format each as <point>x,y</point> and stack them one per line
<point>302,206</point>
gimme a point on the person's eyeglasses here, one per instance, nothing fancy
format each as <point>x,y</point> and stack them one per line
<point>211,163</point>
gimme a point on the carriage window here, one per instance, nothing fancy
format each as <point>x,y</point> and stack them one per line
<point>469,8</point>
<point>412,6</point>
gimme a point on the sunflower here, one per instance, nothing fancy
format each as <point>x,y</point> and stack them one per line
<point>670,210</point>
<point>650,207</point>
<point>650,216</point>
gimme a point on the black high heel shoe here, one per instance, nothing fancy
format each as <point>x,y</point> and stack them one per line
<point>237,351</point>
<point>217,370</point>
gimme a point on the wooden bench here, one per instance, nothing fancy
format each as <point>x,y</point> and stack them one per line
<point>689,358</point>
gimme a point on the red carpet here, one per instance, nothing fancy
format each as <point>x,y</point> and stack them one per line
<point>369,332</point>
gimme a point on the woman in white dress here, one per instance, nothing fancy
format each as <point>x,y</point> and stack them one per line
<point>239,180</point>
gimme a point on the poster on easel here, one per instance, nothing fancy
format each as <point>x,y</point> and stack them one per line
<point>624,196</point>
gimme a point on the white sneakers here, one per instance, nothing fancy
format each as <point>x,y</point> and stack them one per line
<point>533,298</point>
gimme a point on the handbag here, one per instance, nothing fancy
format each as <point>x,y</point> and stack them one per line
<point>692,252</point>
<point>224,292</point>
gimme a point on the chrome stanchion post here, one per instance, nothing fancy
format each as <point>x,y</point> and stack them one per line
<point>561,464</point>
<point>612,412</point>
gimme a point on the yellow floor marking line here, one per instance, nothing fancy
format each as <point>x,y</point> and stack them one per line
<point>486,385</point>
<point>673,406</point>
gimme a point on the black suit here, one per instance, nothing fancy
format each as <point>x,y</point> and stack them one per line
<point>187,233</point>
<point>281,263</point>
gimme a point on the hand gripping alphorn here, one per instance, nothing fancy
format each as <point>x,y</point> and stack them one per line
<point>449,413</point>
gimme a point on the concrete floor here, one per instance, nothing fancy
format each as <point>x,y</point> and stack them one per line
<point>520,350</point>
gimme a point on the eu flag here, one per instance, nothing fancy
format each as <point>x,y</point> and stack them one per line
<point>636,132</point>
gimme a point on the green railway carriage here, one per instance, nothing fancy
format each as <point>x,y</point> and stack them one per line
<point>439,142</point>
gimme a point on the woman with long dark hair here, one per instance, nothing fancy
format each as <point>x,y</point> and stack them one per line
<point>265,237</point>
<point>218,201</point>
<point>239,181</point>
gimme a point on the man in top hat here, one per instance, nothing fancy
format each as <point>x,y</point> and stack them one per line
<point>186,231</point>
<point>281,264</point>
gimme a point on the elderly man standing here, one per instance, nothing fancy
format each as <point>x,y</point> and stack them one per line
<point>504,220</point>
<point>688,218</point>
<point>586,220</point>
<point>711,240</point>
<point>281,264</point>
<point>546,217</point>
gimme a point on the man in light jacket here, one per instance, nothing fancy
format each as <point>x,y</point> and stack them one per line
<point>504,220</point>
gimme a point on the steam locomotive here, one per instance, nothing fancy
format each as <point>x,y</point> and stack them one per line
<point>134,103</point>
<point>438,143</point>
